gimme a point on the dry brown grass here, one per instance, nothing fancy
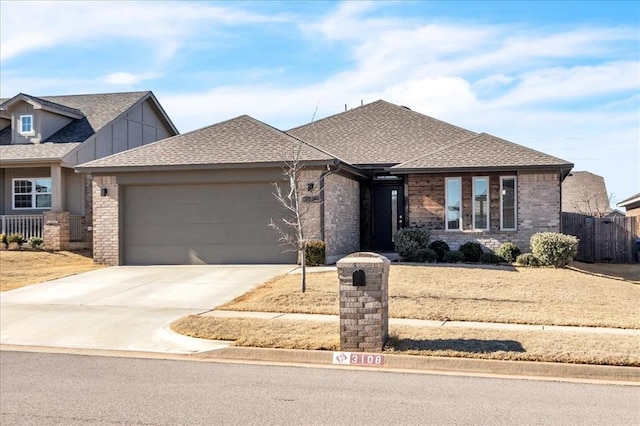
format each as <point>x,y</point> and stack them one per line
<point>466,293</point>
<point>20,268</point>
<point>468,343</point>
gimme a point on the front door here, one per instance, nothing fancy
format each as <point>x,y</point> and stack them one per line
<point>388,213</point>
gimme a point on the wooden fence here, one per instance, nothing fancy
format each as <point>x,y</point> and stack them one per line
<point>603,240</point>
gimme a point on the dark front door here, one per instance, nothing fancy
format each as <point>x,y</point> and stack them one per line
<point>388,214</point>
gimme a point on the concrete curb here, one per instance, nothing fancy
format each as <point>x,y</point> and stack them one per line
<point>438,365</point>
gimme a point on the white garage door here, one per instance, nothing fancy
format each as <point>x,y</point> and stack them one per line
<point>201,224</point>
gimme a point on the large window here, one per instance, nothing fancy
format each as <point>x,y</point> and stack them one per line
<point>26,124</point>
<point>32,193</point>
<point>508,203</point>
<point>481,203</point>
<point>453,213</point>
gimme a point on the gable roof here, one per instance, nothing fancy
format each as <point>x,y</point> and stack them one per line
<point>386,135</point>
<point>631,202</point>
<point>379,133</point>
<point>483,151</point>
<point>586,193</point>
<point>94,111</point>
<point>241,140</point>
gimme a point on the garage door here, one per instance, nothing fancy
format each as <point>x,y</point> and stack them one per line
<point>196,224</point>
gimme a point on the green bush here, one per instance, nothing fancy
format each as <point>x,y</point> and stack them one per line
<point>426,255</point>
<point>409,240</point>
<point>491,258</point>
<point>35,242</point>
<point>554,248</point>
<point>453,257</point>
<point>440,247</point>
<point>509,252</point>
<point>15,238</point>
<point>315,253</point>
<point>3,238</point>
<point>472,251</point>
<point>527,259</point>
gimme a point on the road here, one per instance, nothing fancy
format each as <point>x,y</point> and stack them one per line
<point>46,389</point>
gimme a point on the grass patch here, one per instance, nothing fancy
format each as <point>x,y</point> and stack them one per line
<point>468,343</point>
<point>20,268</point>
<point>545,296</point>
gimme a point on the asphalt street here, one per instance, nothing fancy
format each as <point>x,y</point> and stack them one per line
<point>56,389</point>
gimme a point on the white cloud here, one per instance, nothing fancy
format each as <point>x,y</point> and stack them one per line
<point>128,79</point>
<point>163,24</point>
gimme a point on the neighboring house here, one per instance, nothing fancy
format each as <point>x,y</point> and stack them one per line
<point>586,193</point>
<point>42,139</point>
<point>632,209</point>
<point>207,196</point>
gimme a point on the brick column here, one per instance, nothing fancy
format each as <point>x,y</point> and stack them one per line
<point>364,310</point>
<point>106,244</point>
<point>56,230</point>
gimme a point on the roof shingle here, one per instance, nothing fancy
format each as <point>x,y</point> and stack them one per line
<point>240,140</point>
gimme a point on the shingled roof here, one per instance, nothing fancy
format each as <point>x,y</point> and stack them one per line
<point>37,152</point>
<point>586,193</point>
<point>96,111</point>
<point>242,140</point>
<point>478,152</point>
<point>380,133</point>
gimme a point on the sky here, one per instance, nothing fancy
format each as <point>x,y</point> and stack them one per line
<point>559,77</point>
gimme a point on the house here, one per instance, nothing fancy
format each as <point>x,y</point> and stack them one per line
<point>632,209</point>
<point>207,196</point>
<point>42,139</point>
<point>586,193</point>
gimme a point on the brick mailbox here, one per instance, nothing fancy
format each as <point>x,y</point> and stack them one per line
<point>364,307</point>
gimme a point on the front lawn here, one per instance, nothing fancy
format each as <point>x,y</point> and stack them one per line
<point>544,296</point>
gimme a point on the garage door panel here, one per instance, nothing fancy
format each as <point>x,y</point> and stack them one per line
<point>184,224</point>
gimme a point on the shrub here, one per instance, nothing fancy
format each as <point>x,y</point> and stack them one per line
<point>491,258</point>
<point>472,251</point>
<point>440,247</point>
<point>315,253</point>
<point>409,240</point>
<point>426,255</point>
<point>15,238</point>
<point>509,252</point>
<point>453,257</point>
<point>554,248</point>
<point>527,259</point>
<point>35,242</point>
<point>3,238</point>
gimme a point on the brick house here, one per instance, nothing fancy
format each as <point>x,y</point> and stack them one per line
<point>43,138</point>
<point>207,196</point>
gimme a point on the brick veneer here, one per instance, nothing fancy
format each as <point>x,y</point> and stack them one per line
<point>341,216</point>
<point>364,311</point>
<point>87,218</point>
<point>106,245</point>
<point>56,230</point>
<point>538,208</point>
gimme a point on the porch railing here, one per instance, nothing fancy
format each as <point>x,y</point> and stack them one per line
<point>29,225</point>
<point>75,228</point>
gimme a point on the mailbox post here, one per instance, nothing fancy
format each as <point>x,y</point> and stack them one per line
<point>364,308</point>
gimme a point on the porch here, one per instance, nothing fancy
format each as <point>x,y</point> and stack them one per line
<point>34,225</point>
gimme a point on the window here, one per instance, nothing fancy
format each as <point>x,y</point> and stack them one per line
<point>32,193</point>
<point>26,124</point>
<point>453,201</point>
<point>508,203</point>
<point>481,203</point>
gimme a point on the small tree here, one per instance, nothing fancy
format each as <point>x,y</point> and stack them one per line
<point>291,227</point>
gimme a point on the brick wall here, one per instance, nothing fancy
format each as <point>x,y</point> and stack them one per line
<point>56,230</point>
<point>106,247</point>
<point>538,200</point>
<point>87,218</point>
<point>341,216</point>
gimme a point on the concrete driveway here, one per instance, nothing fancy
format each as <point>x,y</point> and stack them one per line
<point>124,307</point>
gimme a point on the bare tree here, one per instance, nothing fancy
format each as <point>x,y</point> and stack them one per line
<point>593,204</point>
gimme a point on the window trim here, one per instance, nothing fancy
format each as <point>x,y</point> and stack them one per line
<point>446,204</point>
<point>473,203</point>
<point>33,193</point>
<point>26,133</point>
<point>515,202</point>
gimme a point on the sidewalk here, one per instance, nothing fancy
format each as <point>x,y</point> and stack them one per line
<point>427,323</point>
